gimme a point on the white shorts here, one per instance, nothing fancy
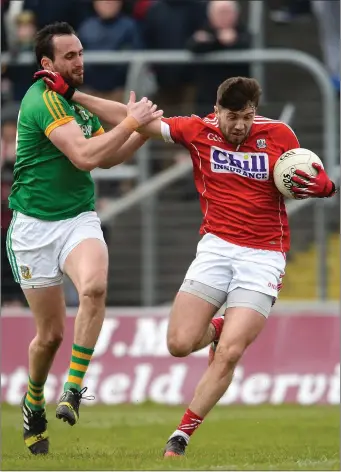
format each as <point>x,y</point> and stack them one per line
<point>225,266</point>
<point>37,249</point>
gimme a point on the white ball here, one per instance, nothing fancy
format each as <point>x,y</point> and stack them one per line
<point>288,163</point>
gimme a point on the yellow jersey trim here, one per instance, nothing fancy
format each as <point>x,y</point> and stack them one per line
<point>48,106</point>
<point>56,123</point>
<point>98,132</point>
<point>59,105</point>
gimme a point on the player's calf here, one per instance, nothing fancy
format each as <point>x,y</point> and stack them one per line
<point>47,304</point>
<point>88,325</point>
<point>87,266</point>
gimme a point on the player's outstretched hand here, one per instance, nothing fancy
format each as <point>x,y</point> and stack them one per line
<point>55,82</point>
<point>143,111</point>
<point>313,186</point>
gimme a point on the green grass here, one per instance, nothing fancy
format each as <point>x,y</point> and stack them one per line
<point>127,437</point>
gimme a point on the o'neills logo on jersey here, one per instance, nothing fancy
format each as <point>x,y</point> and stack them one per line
<point>252,165</point>
<point>87,130</point>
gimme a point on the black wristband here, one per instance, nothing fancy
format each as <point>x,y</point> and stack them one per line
<point>333,190</point>
<point>69,93</point>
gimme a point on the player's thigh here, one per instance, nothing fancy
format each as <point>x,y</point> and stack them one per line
<point>48,308</point>
<point>33,249</point>
<point>188,322</point>
<point>84,257</point>
<point>242,325</point>
<point>258,270</point>
<point>201,295</point>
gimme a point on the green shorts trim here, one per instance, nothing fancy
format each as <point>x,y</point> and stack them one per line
<point>10,252</point>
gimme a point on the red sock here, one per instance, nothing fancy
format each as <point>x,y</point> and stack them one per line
<point>190,422</point>
<point>218,324</point>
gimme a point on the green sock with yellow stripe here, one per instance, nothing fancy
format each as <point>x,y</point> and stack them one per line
<point>80,360</point>
<point>35,395</point>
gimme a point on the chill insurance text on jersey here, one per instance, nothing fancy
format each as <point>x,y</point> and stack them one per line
<point>239,200</point>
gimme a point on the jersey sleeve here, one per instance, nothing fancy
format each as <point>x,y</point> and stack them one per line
<point>52,110</point>
<point>288,138</point>
<point>179,129</point>
<point>97,128</point>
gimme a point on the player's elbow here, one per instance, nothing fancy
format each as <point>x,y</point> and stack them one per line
<point>82,163</point>
<point>114,161</point>
<point>83,160</point>
<point>88,166</point>
<point>105,166</point>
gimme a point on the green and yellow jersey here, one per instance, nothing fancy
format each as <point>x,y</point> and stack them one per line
<point>46,184</point>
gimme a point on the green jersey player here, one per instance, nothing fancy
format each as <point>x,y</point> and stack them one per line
<point>65,191</point>
<point>55,229</point>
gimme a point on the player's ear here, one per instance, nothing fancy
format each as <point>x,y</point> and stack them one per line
<point>216,110</point>
<point>46,64</point>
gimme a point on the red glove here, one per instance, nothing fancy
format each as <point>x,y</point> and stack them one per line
<point>56,83</point>
<point>313,186</point>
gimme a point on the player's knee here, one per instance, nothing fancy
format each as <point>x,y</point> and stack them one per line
<point>178,346</point>
<point>230,355</point>
<point>93,290</point>
<point>51,340</point>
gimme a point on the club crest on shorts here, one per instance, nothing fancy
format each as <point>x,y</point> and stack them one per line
<point>26,272</point>
<point>261,143</point>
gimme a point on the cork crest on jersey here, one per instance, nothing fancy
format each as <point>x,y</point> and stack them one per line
<point>253,165</point>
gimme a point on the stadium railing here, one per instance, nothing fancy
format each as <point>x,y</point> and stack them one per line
<point>139,60</point>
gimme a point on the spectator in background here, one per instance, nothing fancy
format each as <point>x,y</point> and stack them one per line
<point>108,30</point>
<point>137,8</point>
<point>11,293</point>
<point>5,83</point>
<point>73,12</point>
<point>286,11</point>
<point>327,13</point>
<point>8,133</point>
<point>4,8</point>
<point>168,25</point>
<point>223,31</point>
<point>21,76</point>
<point>26,29</point>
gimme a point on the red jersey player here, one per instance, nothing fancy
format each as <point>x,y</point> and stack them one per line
<point>240,259</point>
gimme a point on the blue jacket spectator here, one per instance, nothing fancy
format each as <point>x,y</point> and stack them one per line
<point>109,30</point>
<point>72,11</point>
<point>168,25</point>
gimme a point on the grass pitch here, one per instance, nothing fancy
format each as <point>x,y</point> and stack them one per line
<point>127,437</point>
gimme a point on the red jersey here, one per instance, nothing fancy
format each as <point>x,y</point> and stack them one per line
<point>238,197</point>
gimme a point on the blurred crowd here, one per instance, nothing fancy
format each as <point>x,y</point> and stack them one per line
<point>196,25</point>
<point>115,25</point>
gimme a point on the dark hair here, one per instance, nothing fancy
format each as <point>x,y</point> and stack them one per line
<point>237,93</point>
<point>44,39</point>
